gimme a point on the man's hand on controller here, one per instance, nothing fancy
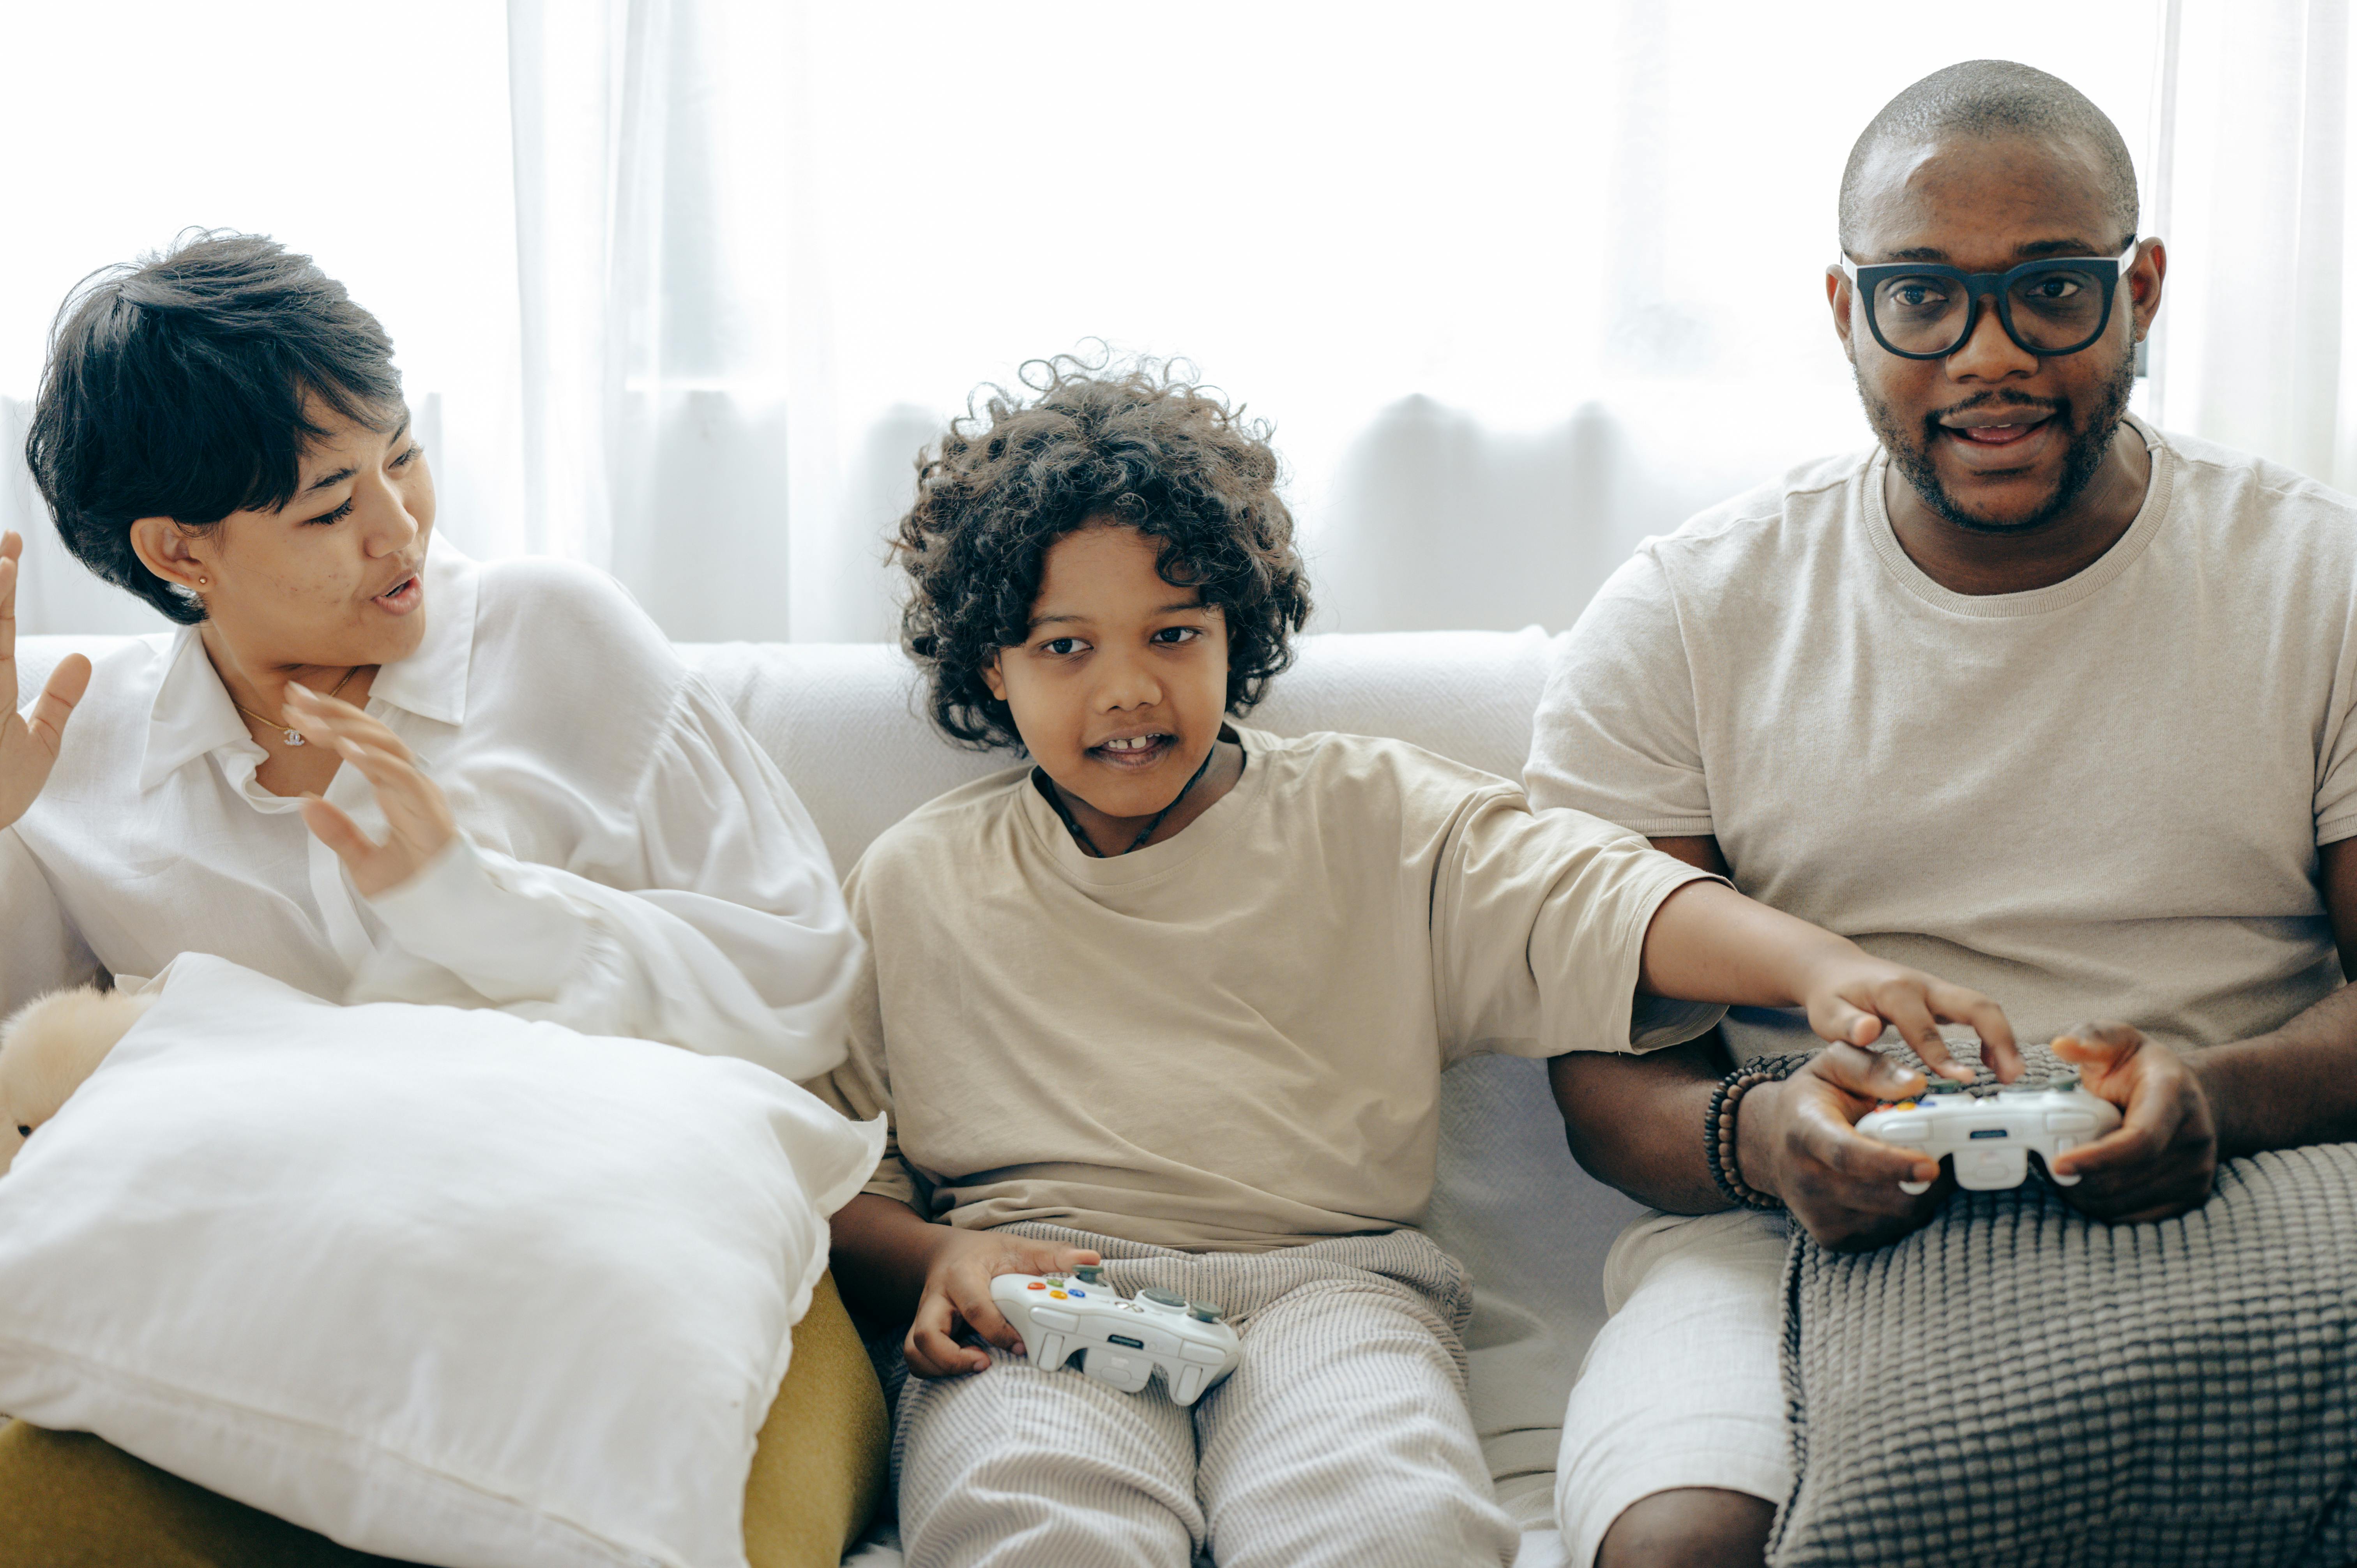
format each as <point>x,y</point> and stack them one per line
<point>2163,1156</point>
<point>957,1290</point>
<point>1798,1140</point>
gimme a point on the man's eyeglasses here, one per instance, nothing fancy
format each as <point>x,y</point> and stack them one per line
<point>1921,310</point>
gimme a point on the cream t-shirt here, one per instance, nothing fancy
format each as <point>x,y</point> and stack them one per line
<point>1231,1039</point>
<point>2101,799</point>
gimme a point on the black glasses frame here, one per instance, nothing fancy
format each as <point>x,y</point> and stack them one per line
<point>1996,286</point>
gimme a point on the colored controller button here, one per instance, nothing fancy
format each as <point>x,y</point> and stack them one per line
<point>1078,1294</point>
<point>1058,1295</point>
<point>1035,1284</point>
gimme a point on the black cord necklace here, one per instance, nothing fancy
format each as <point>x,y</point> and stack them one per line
<point>1047,787</point>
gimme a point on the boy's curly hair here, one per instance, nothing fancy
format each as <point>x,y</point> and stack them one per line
<point>1140,446</point>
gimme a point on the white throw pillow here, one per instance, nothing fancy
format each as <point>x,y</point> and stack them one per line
<point>444,1285</point>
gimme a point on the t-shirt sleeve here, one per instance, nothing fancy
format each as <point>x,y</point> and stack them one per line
<point>1616,733</point>
<point>1538,925</point>
<point>862,1087</point>
<point>2336,753</point>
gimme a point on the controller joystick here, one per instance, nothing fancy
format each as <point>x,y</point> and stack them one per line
<point>1989,1138</point>
<point>1083,1322</point>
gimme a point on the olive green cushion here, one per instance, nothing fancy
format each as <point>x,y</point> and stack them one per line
<point>68,1500</point>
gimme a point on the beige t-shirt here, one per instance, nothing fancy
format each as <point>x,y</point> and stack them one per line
<point>2101,799</point>
<point>1231,1039</point>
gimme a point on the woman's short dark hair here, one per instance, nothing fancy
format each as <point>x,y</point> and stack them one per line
<point>1140,447</point>
<point>178,386</point>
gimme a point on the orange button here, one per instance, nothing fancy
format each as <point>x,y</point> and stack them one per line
<point>1035,1284</point>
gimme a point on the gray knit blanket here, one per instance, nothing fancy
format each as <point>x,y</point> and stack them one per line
<point>2017,1384</point>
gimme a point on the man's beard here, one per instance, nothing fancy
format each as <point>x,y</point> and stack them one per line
<point>2089,443</point>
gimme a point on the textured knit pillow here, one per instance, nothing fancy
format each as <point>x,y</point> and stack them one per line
<point>2016,1384</point>
<point>445,1286</point>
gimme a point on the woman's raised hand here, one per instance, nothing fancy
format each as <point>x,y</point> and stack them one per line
<point>29,742</point>
<point>417,817</point>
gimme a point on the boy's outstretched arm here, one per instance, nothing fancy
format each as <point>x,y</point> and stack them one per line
<point>1709,943</point>
<point>1637,1121</point>
<point>891,1262</point>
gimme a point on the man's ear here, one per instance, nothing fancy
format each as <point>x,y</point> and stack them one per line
<point>172,553</point>
<point>2143,281</point>
<point>1837,295</point>
<point>995,679</point>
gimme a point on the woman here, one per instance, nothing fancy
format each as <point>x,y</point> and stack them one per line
<point>364,763</point>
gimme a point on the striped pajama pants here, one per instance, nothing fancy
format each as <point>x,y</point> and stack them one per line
<point>1343,1438</point>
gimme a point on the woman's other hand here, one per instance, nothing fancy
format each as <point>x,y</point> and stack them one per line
<point>29,742</point>
<point>417,817</point>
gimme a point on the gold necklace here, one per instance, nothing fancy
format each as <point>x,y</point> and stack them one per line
<point>292,737</point>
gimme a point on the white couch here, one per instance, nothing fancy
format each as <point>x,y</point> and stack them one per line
<point>845,724</point>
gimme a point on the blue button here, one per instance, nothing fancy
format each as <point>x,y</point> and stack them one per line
<point>1080,1295</point>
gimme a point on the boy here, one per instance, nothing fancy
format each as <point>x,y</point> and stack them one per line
<point>1179,996</point>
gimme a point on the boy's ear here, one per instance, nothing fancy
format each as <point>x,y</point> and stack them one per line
<point>993,679</point>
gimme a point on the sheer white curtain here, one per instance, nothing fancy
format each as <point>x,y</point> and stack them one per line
<point>2255,186</point>
<point>685,283</point>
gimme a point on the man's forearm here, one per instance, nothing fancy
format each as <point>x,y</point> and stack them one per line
<point>1636,1122</point>
<point>2296,1086</point>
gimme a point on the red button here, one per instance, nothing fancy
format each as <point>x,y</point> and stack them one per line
<point>1035,1284</point>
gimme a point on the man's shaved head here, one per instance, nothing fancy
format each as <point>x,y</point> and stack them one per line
<point>1991,98</point>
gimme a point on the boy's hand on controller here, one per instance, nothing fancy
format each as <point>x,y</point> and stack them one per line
<point>957,1290</point>
<point>1798,1140</point>
<point>1852,994</point>
<point>2163,1156</point>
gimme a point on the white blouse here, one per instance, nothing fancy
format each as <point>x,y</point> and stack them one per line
<point>629,862</point>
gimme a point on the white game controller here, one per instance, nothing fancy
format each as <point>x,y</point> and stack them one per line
<point>1081,1321</point>
<point>1991,1136</point>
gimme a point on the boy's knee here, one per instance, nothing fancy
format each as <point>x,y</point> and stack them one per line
<point>1690,1527</point>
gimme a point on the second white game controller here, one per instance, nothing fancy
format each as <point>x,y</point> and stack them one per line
<point>1990,1136</point>
<point>1080,1321</point>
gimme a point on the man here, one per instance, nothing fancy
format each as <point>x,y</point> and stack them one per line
<point>2032,696</point>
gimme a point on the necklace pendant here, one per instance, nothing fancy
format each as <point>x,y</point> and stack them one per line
<point>293,737</point>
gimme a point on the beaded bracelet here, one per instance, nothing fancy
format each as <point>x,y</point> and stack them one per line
<point>1718,1127</point>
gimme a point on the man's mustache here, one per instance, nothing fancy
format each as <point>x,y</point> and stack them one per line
<point>1999,400</point>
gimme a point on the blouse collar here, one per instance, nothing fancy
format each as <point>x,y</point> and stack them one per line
<point>193,716</point>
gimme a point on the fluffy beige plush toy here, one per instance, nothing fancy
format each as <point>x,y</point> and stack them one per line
<point>48,1048</point>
